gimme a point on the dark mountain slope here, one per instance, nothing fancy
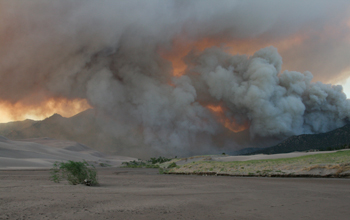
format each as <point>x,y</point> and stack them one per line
<point>330,140</point>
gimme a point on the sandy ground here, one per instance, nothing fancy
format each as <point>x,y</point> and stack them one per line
<point>27,193</point>
<point>144,194</point>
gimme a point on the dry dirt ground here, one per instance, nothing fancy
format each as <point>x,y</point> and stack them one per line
<point>144,194</point>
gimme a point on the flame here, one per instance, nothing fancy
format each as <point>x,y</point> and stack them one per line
<point>20,111</point>
<point>217,109</point>
<point>228,122</point>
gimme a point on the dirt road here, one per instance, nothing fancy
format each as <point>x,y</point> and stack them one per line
<point>144,194</point>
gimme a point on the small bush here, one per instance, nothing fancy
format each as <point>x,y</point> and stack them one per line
<point>172,165</point>
<point>154,160</point>
<point>135,164</point>
<point>75,172</point>
<point>139,164</point>
<point>105,165</point>
<point>151,163</point>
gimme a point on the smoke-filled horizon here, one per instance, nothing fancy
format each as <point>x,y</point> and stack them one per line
<point>179,75</point>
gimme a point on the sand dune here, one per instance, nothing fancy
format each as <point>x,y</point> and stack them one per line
<point>43,152</point>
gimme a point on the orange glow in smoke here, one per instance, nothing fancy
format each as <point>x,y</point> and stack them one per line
<point>229,123</point>
<point>19,111</point>
<point>182,47</point>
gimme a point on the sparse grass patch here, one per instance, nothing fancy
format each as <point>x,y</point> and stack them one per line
<point>338,167</point>
<point>339,161</point>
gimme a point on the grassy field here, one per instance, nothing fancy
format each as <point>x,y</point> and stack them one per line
<point>336,163</point>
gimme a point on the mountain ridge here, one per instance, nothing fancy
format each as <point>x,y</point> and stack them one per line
<point>330,140</point>
<point>86,128</point>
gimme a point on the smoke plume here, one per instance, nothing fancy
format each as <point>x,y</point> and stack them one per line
<point>123,56</point>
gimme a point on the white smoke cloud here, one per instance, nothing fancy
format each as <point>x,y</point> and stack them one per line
<point>107,52</point>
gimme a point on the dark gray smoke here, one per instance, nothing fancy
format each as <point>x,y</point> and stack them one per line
<point>108,53</point>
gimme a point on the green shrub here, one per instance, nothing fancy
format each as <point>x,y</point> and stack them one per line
<point>134,164</point>
<point>151,163</point>
<point>172,165</point>
<point>75,172</point>
<point>154,160</point>
<point>105,165</point>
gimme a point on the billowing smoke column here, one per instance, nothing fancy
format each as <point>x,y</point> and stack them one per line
<point>252,90</point>
<point>109,53</point>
